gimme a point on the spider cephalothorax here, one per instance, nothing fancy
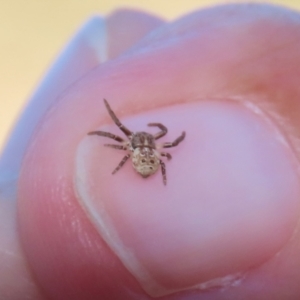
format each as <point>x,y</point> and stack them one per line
<point>141,147</point>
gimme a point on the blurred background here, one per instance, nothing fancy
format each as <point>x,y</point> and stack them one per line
<point>34,31</point>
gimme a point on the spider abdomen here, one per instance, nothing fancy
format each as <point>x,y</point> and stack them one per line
<point>145,161</point>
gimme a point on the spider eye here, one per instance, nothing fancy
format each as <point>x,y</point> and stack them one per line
<point>152,161</point>
<point>143,161</point>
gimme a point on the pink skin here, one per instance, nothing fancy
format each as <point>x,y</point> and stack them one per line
<point>253,56</point>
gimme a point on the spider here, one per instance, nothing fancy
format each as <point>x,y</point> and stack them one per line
<point>141,147</point>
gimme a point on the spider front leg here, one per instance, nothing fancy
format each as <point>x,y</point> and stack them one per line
<point>121,164</point>
<point>107,134</point>
<point>176,142</point>
<point>116,120</point>
<point>163,128</point>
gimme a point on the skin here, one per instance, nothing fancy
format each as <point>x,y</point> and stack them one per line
<point>248,57</point>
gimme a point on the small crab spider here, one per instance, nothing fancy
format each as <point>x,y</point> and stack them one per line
<point>141,146</point>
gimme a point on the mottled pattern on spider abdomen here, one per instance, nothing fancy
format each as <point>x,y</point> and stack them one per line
<point>142,139</point>
<point>145,160</point>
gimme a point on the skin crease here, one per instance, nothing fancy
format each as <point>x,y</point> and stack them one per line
<point>257,57</point>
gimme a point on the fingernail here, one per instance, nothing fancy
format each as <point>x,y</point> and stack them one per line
<point>231,200</point>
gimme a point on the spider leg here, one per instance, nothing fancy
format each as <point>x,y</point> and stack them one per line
<point>163,129</point>
<point>116,120</point>
<point>119,147</point>
<point>163,171</point>
<point>107,134</point>
<point>176,142</point>
<point>121,164</point>
<point>165,154</point>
